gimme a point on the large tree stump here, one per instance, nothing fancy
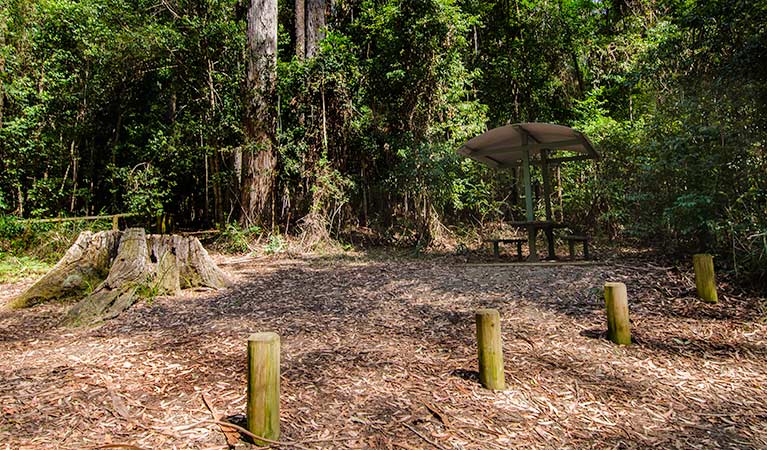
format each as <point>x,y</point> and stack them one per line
<point>83,267</point>
<point>123,267</point>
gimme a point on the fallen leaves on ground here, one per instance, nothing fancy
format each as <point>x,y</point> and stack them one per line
<point>381,354</point>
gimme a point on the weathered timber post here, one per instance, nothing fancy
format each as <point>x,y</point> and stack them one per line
<point>704,277</point>
<point>263,409</point>
<point>490,349</point>
<point>616,303</point>
<point>115,223</point>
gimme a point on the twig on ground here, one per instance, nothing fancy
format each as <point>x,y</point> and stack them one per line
<point>255,436</point>
<point>422,436</point>
<point>230,433</point>
<point>297,444</point>
<point>119,445</point>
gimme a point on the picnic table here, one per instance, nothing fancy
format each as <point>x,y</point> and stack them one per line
<point>532,230</point>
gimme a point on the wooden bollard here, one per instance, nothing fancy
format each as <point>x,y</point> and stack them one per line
<point>263,409</point>
<point>490,349</point>
<point>616,303</point>
<point>704,277</point>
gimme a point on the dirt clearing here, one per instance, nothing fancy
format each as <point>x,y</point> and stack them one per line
<point>381,354</point>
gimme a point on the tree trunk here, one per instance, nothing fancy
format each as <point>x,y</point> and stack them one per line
<point>210,115</point>
<point>134,264</point>
<point>300,28</point>
<point>218,202</point>
<point>2,70</point>
<point>2,75</point>
<point>315,22</point>
<point>259,160</point>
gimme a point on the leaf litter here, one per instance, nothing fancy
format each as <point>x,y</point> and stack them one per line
<point>381,354</point>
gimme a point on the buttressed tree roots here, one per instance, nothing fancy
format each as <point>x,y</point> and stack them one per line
<point>115,268</point>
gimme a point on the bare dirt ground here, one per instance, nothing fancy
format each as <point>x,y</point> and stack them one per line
<point>381,354</point>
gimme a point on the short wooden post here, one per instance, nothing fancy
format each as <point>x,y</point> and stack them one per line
<point>115,222</point>
<point>704,277</point>
<point>263,408</point>
<point>490,349</point>
<point>616,302</point>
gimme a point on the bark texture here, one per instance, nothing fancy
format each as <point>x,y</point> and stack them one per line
<point>124,266</point>
<point>131,270</point>
<point>315,22</point>
<point>300,28</point>
<point>2,71</point>
<point>258,159</point>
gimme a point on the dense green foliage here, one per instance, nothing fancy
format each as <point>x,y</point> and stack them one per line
<point>137,106</point>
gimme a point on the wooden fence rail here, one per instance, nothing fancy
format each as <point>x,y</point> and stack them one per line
<point>115,218</point>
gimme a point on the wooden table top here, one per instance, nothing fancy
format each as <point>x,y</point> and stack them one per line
<point>538,223</point>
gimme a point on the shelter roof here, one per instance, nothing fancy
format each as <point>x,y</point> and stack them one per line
<point>505,146</point>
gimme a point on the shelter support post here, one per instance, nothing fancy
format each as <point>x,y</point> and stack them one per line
<point>531,230</point>
<point>546,171</point>
<point>546,182</point>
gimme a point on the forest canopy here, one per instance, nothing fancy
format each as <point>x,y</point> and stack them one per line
<point>116,106</point>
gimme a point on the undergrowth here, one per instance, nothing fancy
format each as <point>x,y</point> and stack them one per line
<point>16,268</point>
<point>43,241</point>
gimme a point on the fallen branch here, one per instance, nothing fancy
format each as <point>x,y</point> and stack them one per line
<point>296,444</point>
<point>255,436</point>
<point>230,433</point>
<point>437,413</point>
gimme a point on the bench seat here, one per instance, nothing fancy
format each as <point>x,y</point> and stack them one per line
<point>572,239</point>
<point>515,240</point>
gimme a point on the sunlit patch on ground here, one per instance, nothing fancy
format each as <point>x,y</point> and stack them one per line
<point>380,354</point>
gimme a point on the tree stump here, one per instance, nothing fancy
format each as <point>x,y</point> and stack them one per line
<point>119,267</point>
<point>83,266</point>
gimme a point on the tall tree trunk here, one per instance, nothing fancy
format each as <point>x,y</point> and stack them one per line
<point>300,28</point>
<point>218,202</point>
<point>578,74</point>
<point>315,22</point>
<point>20,197</point>
<point>211,113</point>
<point>75,159</point>
<point>2,70</point>
<point>259,160</point>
